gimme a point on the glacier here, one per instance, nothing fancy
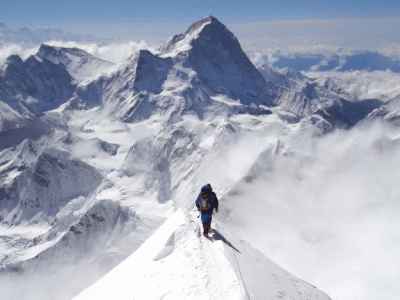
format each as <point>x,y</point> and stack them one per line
<point>100,164</point>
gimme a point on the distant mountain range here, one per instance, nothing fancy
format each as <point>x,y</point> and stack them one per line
<point>359,60</point>
<point>97,155</point>
<point>37,36</point>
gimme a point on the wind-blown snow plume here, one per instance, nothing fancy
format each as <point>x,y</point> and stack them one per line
<point>334,201</point>
<point>113,52</point>
<point>114,153</point>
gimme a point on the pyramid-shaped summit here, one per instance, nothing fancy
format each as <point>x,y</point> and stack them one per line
<point>209,29</point>
<point>203,70</point>
<point>210,20</point>
<point>214,53</point>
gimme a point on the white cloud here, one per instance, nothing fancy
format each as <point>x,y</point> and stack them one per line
<point>329,213</point>
<point>61,284</point>
<point>384,85</point>
<point>16,49</point>
<point>114,52</point>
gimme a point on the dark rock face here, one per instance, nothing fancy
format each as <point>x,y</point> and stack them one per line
<point>58,55</point>
<point>151,72</point>
<point>346,114</point>
<point>220,63</point>
<point>41,84</point>
<point>76,61</point>
<point>210,64</point>
<point>207,59</point>
<point>390,111</point>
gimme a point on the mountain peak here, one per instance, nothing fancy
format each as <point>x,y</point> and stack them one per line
<point>46,50</point>
<point>208,28</point>
<point>216,56</point>
<point>210,20</point>
<point>14,59</point>
<point>79,63</point>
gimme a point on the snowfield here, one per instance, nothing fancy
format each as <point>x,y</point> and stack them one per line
<point>177,262</point>
<point>100,164</point>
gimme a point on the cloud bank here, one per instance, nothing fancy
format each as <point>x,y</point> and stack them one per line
<point>114,52</point>
<point>57,284</point>
<point>329,213</point>
<point>383,85</point>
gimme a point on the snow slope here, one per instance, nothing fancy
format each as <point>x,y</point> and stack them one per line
<point>34,84</point>
<point>205,72</point>
<point>127,149</point>
<point>79,64</point>
<point>319,98</point>
<point>190,74</point>
<point>390,111</point>
<point>177,262</point>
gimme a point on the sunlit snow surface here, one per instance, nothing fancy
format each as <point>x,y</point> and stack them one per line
<point>300,198</point>
<point>177,262</point>
<point>215,150</point>
<point>130,150</point>
<point>306,201</point>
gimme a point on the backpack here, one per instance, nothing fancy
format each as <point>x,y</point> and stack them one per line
<point>205,202</point>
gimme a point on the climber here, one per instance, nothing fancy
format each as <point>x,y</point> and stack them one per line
<point>206,202</point>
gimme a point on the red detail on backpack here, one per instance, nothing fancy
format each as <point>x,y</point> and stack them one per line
<point>205,203</point>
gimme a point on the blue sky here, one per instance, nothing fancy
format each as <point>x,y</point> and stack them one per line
<point>262,25</point>
<point>108,15</point>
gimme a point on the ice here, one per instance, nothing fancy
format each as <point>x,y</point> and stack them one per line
<point>92,165</point>
<point>177,262</point>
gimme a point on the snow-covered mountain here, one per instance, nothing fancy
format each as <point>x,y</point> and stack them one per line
<point>214,53</point>
<point>40,83</point>
<point>223,267</point>
<point>16,126</point>
<point>92,165</point>
<point>286,78</point>
<point>320,98</point>
<point>390,111</point>
<point>77,62</point>
<point>27,89</point>
<point>203,71</point>
<point>34,84</point>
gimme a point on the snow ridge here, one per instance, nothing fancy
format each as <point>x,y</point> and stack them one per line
<point>129,147</point>
<point>176,262</point>
<point>79,64</point>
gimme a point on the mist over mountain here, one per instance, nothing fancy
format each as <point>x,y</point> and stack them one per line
<point>348,58</point>
<point>356,61</point>
<point>100,165</point>
<point>40,35</point>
